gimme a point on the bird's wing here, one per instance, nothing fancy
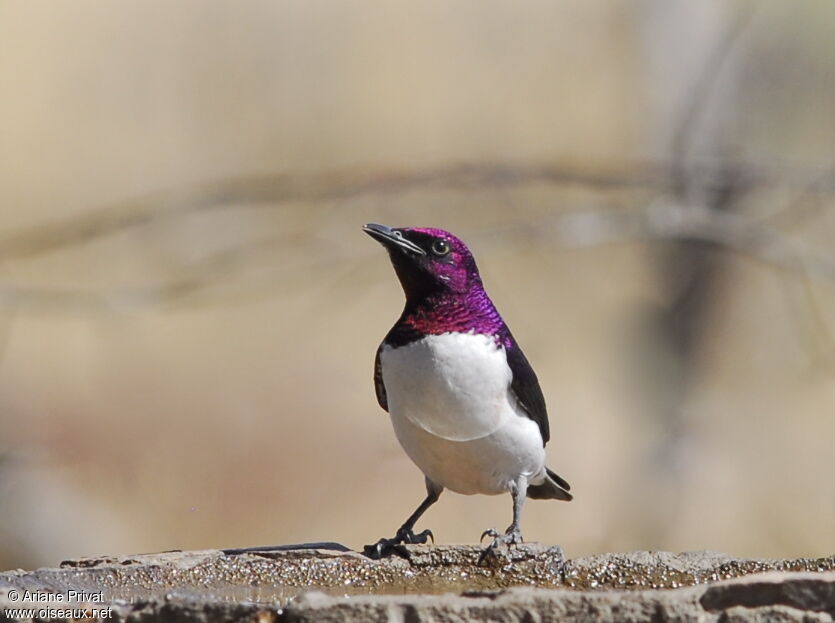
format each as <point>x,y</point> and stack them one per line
<point>379,387</point>
<point>525,387</point>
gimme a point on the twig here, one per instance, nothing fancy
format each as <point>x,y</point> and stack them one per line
<point>277,190</point>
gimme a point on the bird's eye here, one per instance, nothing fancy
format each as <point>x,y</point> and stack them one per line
<point>440,248</point>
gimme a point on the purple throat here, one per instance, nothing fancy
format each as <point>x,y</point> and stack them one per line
<point>470,312</point>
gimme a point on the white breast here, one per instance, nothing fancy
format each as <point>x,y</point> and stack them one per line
<point>450,405</point>
<point>454,385</point>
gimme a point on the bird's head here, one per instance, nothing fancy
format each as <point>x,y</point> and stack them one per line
<point>427,261</point>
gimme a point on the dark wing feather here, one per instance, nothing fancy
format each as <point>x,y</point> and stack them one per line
<point>379,387</point>
<point>525,387</point>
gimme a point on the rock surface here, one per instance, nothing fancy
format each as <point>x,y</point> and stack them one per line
<point>327,582</point>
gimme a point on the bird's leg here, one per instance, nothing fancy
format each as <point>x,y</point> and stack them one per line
<point>405,534</point>
<point>513,534</point>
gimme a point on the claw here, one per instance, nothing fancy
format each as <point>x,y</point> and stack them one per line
<point>379,549</point>
<point>423,537</point>
<point>410,538</point>
<point>386,547</point>
<point>489,532</point>
<point>512,537</point>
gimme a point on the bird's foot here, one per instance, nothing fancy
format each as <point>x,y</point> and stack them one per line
<point>512,536</point>
<point>404,536</point>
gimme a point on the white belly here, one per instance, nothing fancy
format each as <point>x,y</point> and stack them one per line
<point>450,405</point>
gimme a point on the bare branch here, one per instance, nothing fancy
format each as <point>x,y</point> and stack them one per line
<point>275,190</point>
<point>668,220</point>
<point>661,220</point>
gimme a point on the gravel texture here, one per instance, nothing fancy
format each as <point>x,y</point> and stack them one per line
<point>531,583</point>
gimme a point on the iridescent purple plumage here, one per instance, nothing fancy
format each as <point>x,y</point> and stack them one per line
<point>447,295</point>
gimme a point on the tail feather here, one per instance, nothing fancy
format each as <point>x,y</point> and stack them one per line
<point>560,481</point>
<point>553,488</point>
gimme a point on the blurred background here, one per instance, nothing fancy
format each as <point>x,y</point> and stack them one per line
<point>189,310</point>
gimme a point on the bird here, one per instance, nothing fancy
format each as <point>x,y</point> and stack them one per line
<point>464,401</point>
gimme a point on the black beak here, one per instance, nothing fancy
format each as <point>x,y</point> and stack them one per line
<point>391,238</point>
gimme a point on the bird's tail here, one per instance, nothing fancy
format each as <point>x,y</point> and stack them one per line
<point>552,488</point>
